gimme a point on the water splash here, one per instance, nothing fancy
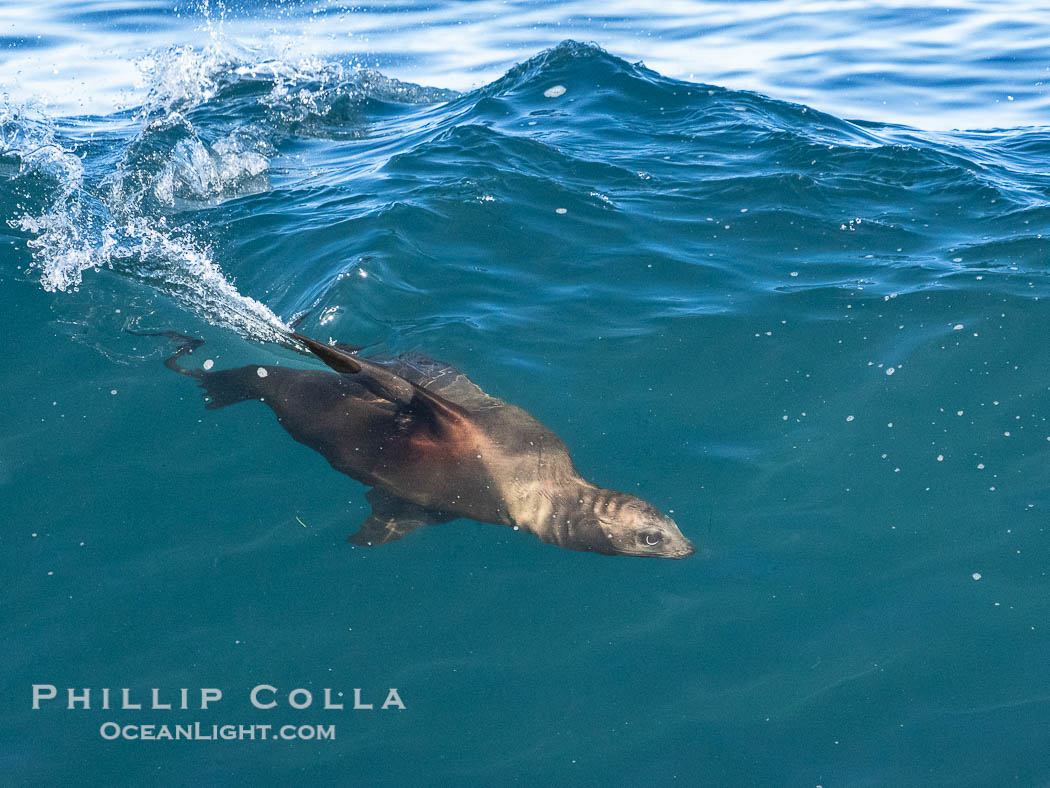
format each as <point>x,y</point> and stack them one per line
<point>120,218</point>
<point>86,226</point>
<point>62,249</point>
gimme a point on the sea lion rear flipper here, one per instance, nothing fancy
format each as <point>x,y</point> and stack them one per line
<point>434,409</point>
<point>229,386</point>
<point>393,518</point>
<point>185,344</point>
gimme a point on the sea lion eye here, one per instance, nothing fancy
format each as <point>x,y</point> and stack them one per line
<point>652,538</point>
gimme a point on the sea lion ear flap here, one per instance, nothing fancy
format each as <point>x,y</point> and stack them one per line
<point>589,534</point>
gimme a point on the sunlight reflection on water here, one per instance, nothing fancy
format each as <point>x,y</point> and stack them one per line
<point>963,64</point>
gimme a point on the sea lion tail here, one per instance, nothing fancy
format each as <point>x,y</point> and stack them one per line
<point>222,387</point>
<point>185,345</point>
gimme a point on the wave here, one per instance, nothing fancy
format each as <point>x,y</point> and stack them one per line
<point>333,146</point>
<point>206,132</point>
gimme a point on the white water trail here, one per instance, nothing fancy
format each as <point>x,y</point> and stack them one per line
<point>87,227</point>
<point>117,217</point>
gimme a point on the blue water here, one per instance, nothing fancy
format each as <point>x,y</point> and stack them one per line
<point>763,282</point>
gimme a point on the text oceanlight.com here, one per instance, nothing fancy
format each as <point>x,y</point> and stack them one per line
<point>198,732</point>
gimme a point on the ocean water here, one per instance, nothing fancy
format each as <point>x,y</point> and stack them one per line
<point>785,279</point>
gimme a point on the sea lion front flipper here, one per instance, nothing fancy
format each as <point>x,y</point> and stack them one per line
<point>393,518</point>
<point>434,409</point>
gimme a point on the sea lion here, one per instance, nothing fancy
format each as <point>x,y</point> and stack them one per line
<point>434,447</point>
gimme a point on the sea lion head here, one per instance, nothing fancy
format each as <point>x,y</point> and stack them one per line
<point>621,524</point>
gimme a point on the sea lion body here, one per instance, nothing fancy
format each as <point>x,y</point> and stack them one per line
<point>434,447</point>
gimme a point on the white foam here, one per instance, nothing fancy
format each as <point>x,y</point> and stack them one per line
<point>119,222</point>
<point>201,172</point>
<point>92,226</point>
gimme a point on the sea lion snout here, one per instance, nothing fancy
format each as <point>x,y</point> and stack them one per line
<point>659,538</point>
<point>622,524</point>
